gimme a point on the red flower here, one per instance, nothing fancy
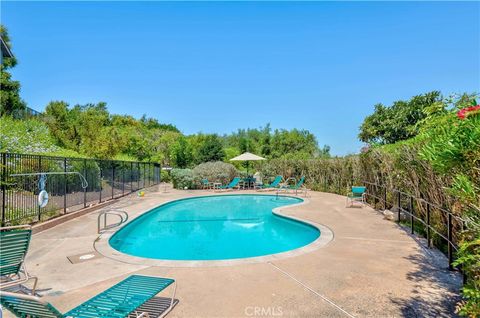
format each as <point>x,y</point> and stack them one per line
<point>465,112</point>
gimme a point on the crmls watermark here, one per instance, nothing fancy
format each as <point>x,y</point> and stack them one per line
<point>257,311</point>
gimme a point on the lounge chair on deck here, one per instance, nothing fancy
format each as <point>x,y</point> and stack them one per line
<point>117,301</point>
<point>14,243</point>
<point>272,186</point>
<point>356,195</point>
<point>297,186</point>
<point>233,184</point>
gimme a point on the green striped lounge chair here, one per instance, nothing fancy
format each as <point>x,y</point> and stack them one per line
<point>233,184</point>
<point>295,187</point>
<point>357,194</point>
<point>14,243</point>
<point>120,300</point>
<point>274,185</point>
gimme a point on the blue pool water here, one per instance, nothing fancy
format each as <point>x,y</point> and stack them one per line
<point>214,228</point>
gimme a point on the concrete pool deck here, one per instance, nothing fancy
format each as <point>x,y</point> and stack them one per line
<point>371,268</point>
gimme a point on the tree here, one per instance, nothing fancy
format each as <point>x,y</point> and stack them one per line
<point>181,153</point>
<point>389,124</point>
<point>296,143</point>
<point>211,149</point>
<point>152,123</point>
<point>10,101</point>
<point>62,124</point>
<point>324,152</point>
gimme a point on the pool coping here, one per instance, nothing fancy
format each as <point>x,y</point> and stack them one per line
<point>102,246</point>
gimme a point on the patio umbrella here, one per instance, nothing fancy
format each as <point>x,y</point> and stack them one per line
<point>247,156</point>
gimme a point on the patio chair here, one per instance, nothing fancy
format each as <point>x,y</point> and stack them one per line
<point>297,186</point>
<point>357,194</point>
<point>118,301</point>
<point>205,184</point>
<point>14,243</point>
<point>274,185</point>
<point>233,184</point>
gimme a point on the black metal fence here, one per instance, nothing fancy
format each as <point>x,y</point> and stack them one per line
<point>437,224</point>
<point>24,113</point>
<point>107,179</point>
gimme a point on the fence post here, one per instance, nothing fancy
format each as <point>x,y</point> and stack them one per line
<point>85,189</point>
<point>428,224</point>
<point>449,236</point>
<point>375,199</point>
<point>385,199</point>
<point>399,202</point>
<point>101,177</point>
<point>411,215</point>
<point>4,186</point>
<point>131,174</point>
<point>39,169</point>
<point>113,177</point>
<point>65,186</point>
<point>138,179</point>
<point>123,178</point>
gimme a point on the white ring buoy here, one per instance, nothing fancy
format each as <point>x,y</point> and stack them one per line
<point>42,198</point>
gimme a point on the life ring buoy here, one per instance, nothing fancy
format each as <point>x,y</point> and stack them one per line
<point>42,198</point>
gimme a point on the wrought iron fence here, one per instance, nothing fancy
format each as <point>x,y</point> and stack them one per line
<point>437,224</point>
<point>107,179</point>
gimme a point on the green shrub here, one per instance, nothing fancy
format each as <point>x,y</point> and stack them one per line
<point>215,172</point>
<point>29,136</point>
<point>25,136</point>
<point>468,256</point>
<point>165,176</point>
<point>183,179</point>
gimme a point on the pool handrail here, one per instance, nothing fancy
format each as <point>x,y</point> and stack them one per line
<point>123,215</point>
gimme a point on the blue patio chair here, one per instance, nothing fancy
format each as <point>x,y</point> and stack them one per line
<point>118,301</point>
<point>357,194</point>
<point>205,184</point>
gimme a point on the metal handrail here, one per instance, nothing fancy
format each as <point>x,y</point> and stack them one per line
<point>123,215</point>
<point>449,237</point>
<point>436,206</point>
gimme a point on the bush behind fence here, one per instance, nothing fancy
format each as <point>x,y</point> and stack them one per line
<point>107,179</point>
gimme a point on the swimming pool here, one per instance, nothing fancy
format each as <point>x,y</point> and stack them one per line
<point>214,228</point>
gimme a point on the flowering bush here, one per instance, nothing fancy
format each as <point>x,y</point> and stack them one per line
<point>25,136</point>
<point>468,111</point>
<point>183,179</point>
<point>29,136</point>
<point>215,172</point>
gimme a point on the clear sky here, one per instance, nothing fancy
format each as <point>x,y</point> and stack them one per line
<point>216,67</point>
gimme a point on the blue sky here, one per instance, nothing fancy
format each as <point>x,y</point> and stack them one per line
<point>216,67</point>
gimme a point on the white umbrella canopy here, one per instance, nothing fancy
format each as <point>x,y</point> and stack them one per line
<point>247,156</point>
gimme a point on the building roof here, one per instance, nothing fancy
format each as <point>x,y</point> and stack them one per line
<point>5,49</point>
